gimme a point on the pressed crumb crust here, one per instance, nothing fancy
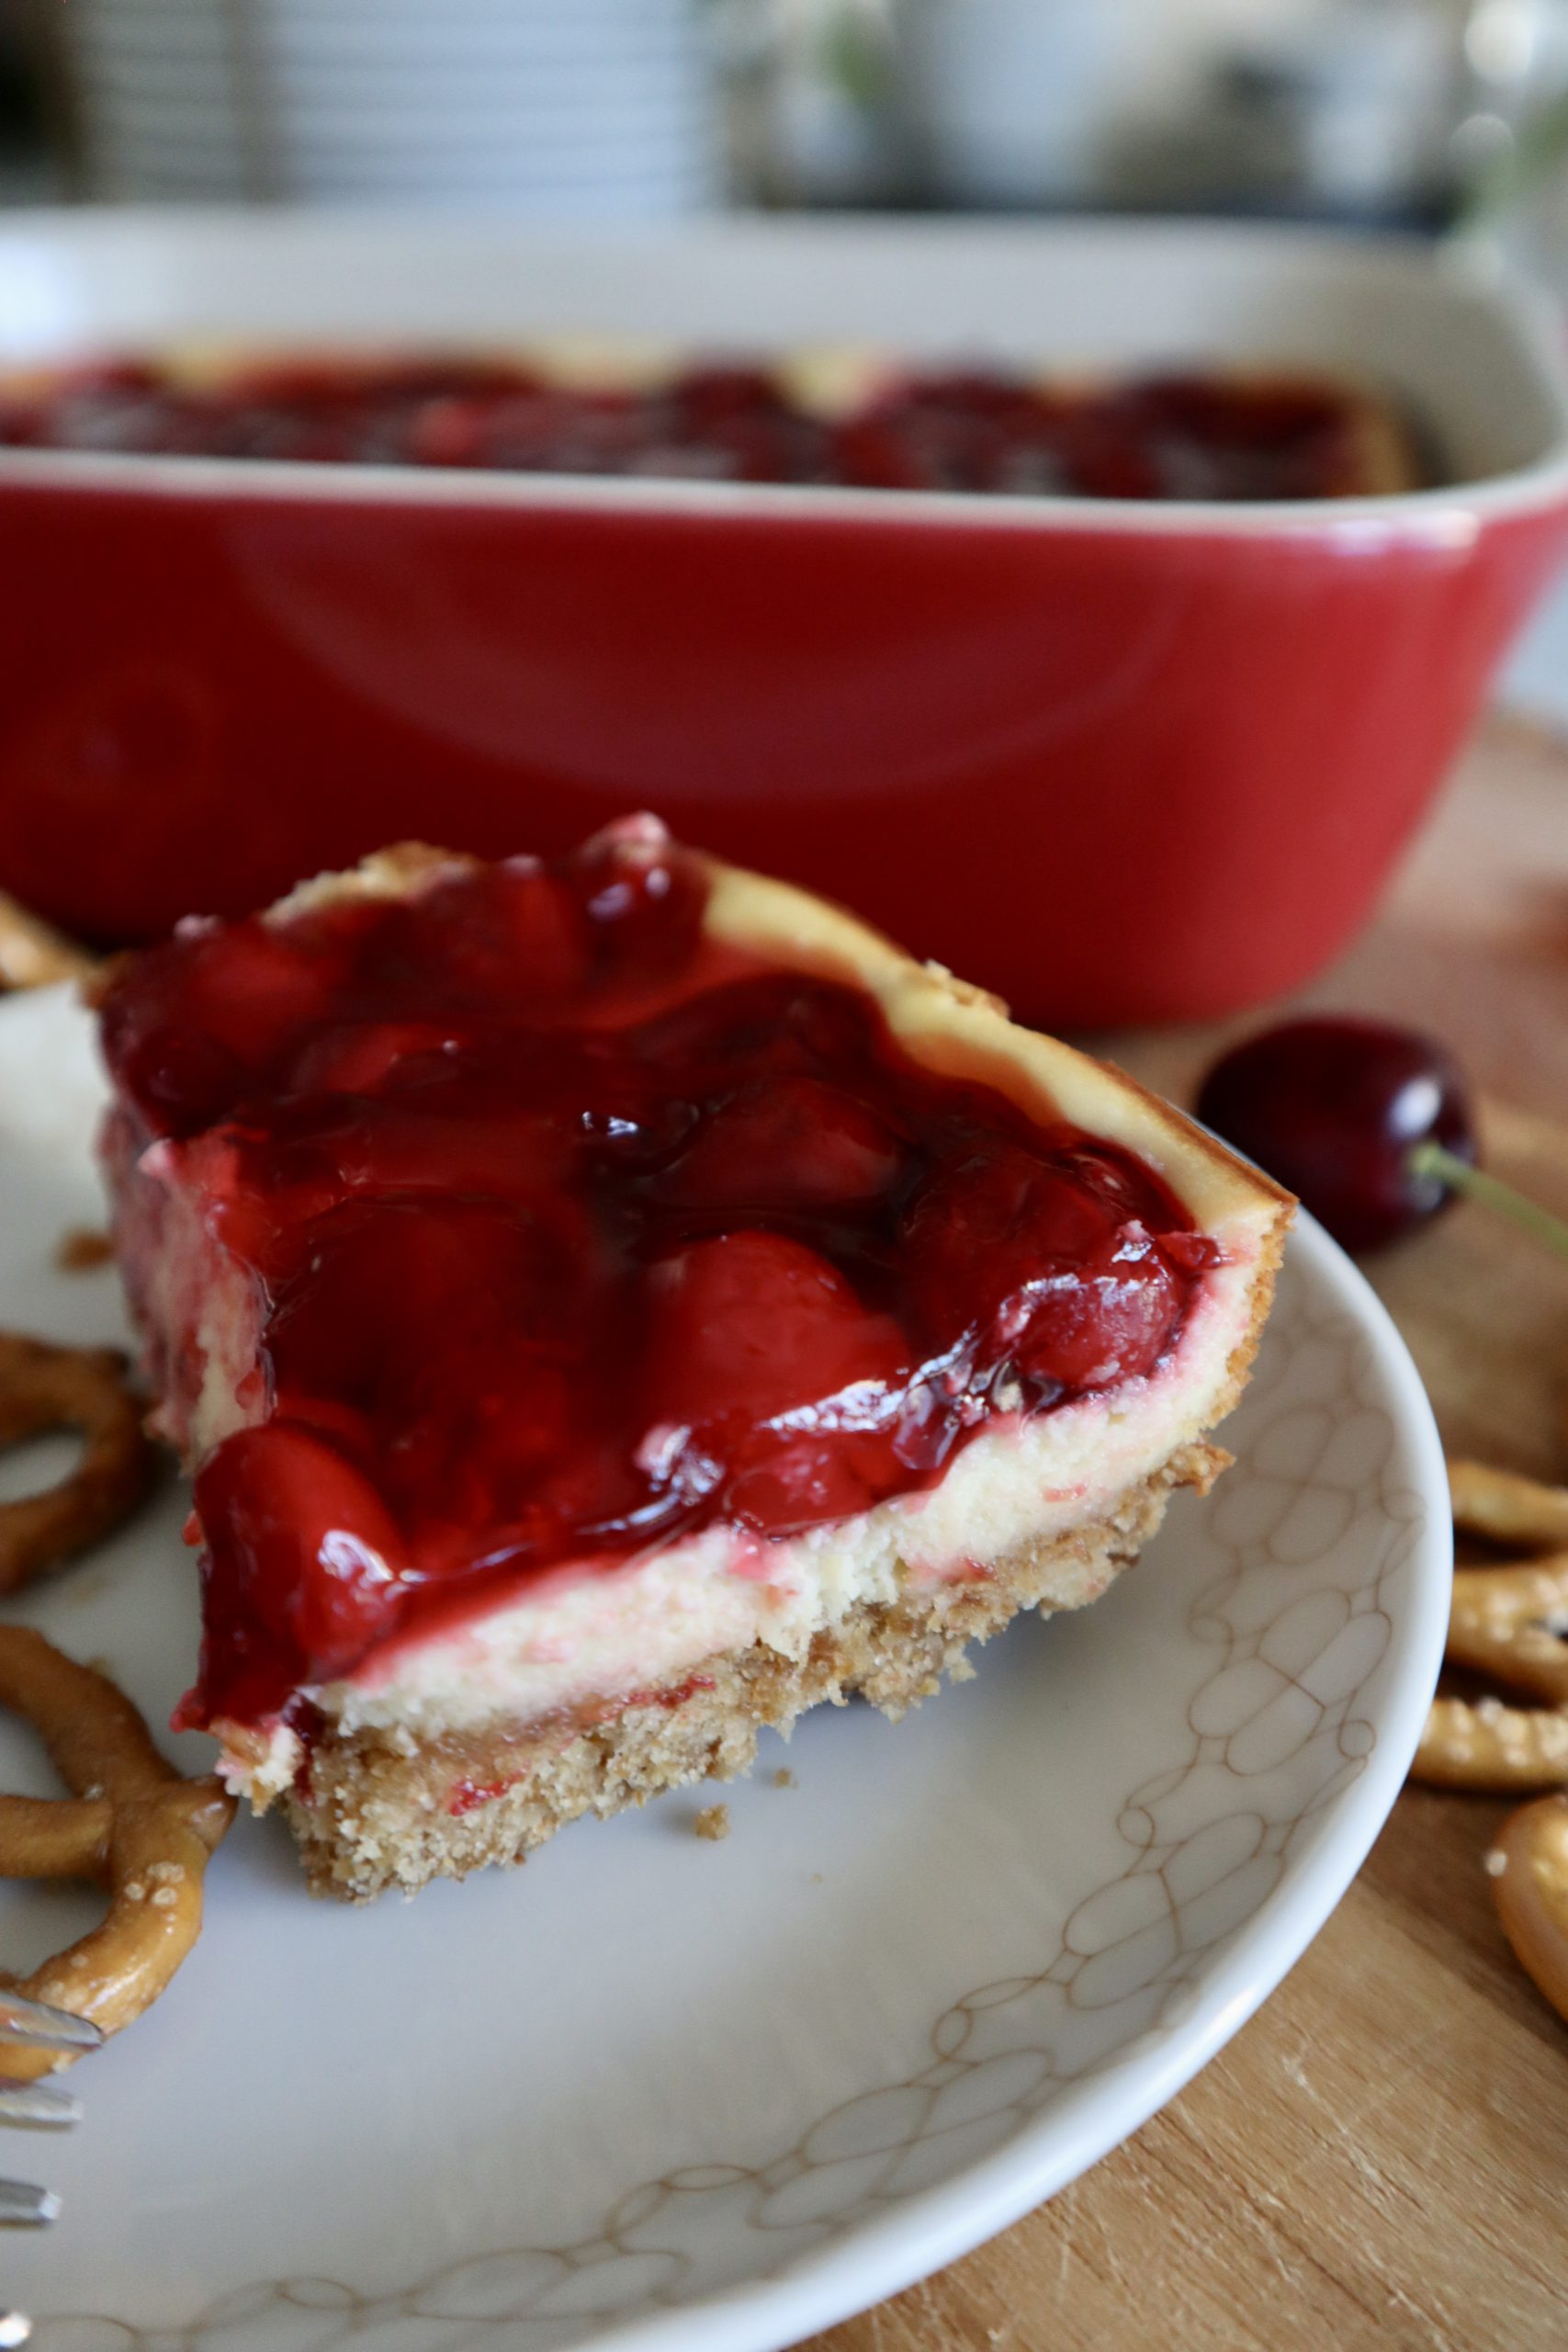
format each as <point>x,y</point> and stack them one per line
<point>377,1817</point>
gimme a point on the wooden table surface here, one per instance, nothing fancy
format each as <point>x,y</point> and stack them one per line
<point>1381,2157</point>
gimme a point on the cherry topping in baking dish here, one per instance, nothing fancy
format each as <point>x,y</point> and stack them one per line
<point>974,429</point>
<point>573,1229</point>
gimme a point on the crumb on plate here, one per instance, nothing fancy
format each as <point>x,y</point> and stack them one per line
<point>81,1249</point>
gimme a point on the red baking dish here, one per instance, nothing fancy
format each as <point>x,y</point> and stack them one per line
<point>1121,761</point>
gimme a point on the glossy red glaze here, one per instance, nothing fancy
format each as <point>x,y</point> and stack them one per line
<point>1117,772</point>
<point>574,1232</point>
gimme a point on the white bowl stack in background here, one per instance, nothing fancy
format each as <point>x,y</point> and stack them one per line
<point>560,109</point>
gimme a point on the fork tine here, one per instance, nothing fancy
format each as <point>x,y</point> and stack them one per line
<point>36,2103</point>
<point>23,2202</point>
<point>37,2026</point>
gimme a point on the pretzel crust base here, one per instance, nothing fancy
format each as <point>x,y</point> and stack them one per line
<point>374,1813</point>
<point>130,1825</point>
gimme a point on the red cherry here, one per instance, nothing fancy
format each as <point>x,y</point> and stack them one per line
<point>755,1339</point>
<point>642,901</point>
<point>713,393</point>
<point>1054,1255</point>
<point>766,449</point>
<point>449,429</point>
<point>982,1226</point>
<point>1110,1320</point>
<point>754,1324</point>
<point>521,938</point>
<point>1335,1108</point>
<point>355,1322</point>
<point>879,453</point>
<point>310,1554</point>
<point>216,1008</point>
<point>780,1484</point>
<point>361,1056</point>
<point>525,429</point>
<point>349,1345</point>
<point>785,1143</point>
<point>416,1143</point>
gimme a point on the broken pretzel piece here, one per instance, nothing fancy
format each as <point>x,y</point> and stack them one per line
<point>44,1388</point>
<point>131,1825</point>
<point>1483,1744</point>
<point>1529,1868</point>
<point>1509,1624</point>
<point>1506,1507</point>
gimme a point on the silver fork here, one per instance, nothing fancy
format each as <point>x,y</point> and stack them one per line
<point>35,2026</point>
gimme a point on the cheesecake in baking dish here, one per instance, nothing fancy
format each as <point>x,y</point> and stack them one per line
<point>837,418</point>
<point>610,1306</point>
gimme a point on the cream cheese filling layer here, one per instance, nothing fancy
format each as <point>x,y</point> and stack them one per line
<point>607,1629</point>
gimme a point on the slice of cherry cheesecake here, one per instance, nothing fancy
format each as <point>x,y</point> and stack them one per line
<point>610,1306</point>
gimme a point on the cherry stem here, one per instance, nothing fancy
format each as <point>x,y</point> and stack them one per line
<point>1432,1160</point>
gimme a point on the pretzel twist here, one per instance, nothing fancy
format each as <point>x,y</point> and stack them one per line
<point>1481,1743</point>
<point>32,954</point>
<point>1507,1508</point>
<point>43,1388</point>
<point>132,1825</point>
<point>1509,1624</point>
<point>1503,1623</point>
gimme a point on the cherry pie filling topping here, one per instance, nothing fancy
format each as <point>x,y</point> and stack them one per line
<point>972,429</point>
<point>574,1231</point>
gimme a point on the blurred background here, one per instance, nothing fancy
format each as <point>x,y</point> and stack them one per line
<point>1417,113</point>
<point>1443,119</point>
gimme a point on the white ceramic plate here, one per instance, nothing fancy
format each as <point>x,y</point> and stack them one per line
<point>652,2092</point>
